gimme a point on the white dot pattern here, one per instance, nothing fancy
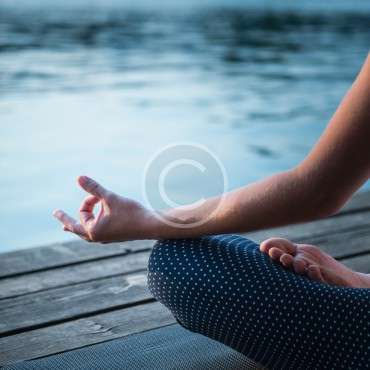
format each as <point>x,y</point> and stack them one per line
<point>224,288</point>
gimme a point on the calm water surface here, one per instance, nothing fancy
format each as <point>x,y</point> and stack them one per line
<point>97,88</point>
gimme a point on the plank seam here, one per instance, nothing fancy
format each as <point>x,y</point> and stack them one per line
<point>333,232</point>
<point>104,341</point>
<point>350,211</point>
<point>125,253</point>
<point>75,317</point>
<point>73,284</point>
<point>353,255</point>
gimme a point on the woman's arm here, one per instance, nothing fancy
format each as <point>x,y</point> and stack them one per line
<point>340,161</point>
<point>338,164</point>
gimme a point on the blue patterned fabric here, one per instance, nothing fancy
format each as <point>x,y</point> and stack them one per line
<point>224,288</point>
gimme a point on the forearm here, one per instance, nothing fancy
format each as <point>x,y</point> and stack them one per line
<point>336,166</point>
<point>275,201</point>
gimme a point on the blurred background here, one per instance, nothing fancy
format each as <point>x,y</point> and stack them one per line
<point>96,87</point>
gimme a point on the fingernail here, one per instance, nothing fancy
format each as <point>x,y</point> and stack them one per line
<point>271,252</point>
<point>85,179</point>
<point>55,212</point>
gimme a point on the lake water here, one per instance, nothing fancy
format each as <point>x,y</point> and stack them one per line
<point>97,87</point>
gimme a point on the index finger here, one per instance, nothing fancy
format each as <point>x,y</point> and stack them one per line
<point>92,187</point>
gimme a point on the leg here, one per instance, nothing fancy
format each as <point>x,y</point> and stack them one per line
<point>225,288</point>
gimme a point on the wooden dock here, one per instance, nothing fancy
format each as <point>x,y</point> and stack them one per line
<point>66,296</point>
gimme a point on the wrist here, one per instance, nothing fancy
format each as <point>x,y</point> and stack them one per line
<point>175,223</point>
<point>150,227</point>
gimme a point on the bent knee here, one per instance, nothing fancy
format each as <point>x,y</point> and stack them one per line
<point>166,260</point>
<point>189,275</point>
<point>157,266</point>
<point>189,264</point>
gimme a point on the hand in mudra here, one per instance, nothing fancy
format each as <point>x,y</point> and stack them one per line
<point>119,218</point>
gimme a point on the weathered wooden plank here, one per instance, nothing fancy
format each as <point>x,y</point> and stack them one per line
<point>62,254</point>
<point>359,263</point>
<point>345,245</point>
<point>82,332</point>
<point>78,273</point>
<point>359,201</point>
<point>338,244</point>
<point>94,329</point>
<point>71,302</point>
<point>316,228</point>
<point>326,233</point>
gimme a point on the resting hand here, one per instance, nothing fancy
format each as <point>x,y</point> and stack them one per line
<point>119,218</point>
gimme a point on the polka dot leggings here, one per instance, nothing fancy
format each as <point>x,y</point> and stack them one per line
<point>225,288</point>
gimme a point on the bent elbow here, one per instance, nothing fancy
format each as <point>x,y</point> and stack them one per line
<point>319,197</point>
<point>325,205</point>
<point>328,209</point>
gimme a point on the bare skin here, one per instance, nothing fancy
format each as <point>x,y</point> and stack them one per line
<point>309,260</point>
<point>335,168</point>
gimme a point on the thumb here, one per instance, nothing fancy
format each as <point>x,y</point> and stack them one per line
<point>92,187</point>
